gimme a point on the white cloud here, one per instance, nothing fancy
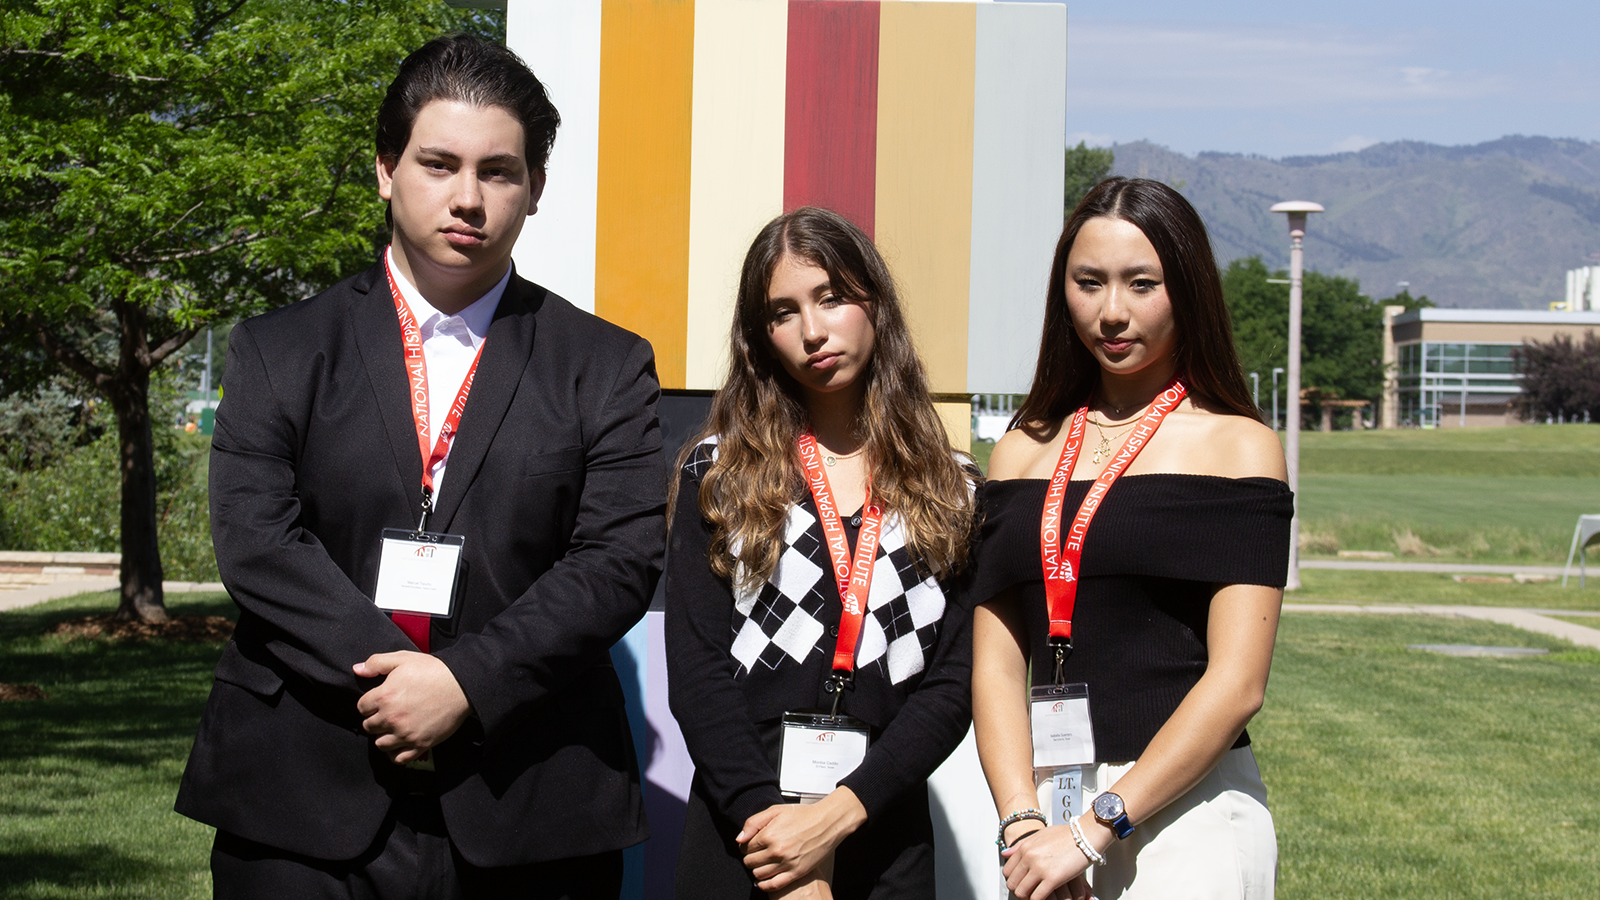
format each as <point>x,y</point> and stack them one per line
<point>1156,66</point>
<point>1353,144</point>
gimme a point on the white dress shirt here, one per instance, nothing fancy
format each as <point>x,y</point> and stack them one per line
<point>449,344</point>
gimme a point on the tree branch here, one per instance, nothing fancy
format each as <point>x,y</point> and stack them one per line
<point>170,228</point>
<point>195,254</point>
<point>202,30</point>
<point>57,54</point>
<point>69,356</point>
<point>173,343</point>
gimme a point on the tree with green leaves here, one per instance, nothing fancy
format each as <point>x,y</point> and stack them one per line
<point>165,166</point>
<point>1086,167</point>
<point>1341,331</point>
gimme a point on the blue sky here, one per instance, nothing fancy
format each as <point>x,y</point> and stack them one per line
<point>1285,79</point>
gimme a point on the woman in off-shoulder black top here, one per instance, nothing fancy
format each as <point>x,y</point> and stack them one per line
<point>1179,580</point>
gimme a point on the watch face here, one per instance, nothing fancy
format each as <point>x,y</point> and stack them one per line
<point>1107,807</point>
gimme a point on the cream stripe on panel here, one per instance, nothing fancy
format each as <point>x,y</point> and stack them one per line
<point>1020,127</point>
<point>924,174</point>
<point>560,41</point>
<point>736,163</point>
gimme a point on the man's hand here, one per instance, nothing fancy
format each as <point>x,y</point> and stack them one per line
<point>416,708</point>
<point>786,842</point>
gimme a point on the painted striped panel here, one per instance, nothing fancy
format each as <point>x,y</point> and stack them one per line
<point>560,41</point>
<point>1019,141</point>
<point>736,164</point>
<point>924,174</point>
<point>642,195</point>
<point>831,110</point>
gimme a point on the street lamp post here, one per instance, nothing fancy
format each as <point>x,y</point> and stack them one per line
<point>1297,210</point>
<point>1276,422</point>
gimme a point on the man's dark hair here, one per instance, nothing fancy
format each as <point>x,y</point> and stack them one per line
<point>470,70</point>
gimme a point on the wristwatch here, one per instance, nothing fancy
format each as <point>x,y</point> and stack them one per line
<point>1109,811</point>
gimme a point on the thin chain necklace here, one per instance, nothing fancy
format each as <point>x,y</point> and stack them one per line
<point>1103,450</point>
<point>834,460</point>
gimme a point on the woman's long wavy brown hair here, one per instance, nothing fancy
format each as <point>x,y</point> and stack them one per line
<point>758,415</point>
<point>1068,374</point>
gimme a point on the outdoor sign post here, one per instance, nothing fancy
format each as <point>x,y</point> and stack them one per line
<point>1297,210</point>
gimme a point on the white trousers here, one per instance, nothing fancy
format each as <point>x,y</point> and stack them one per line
<point>1214,843</point>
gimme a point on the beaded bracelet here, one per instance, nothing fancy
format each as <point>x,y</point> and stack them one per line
<point>1021,815</point>
<point>1084,846</point>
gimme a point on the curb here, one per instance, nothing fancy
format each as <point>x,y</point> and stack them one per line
<point>39,594</point>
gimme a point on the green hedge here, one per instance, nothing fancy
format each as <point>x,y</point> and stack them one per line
<point>74,504</point>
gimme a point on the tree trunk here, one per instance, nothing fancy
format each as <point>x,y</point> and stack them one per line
<point>142,598</point>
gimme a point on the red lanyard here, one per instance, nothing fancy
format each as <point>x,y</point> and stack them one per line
<point>417,381</point>
<point>855,581</point>
<point>417,627</point>
<point>1061,568</point>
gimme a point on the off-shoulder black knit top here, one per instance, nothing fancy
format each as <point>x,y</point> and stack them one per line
<point>1155,553</point>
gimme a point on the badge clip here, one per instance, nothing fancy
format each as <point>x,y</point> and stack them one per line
<point>427,509</point>
<point>1063,648</point>
<point>835,685</point>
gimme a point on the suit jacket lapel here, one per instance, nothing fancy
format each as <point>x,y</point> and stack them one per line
<point>507,352</point>
<point>377,335</point>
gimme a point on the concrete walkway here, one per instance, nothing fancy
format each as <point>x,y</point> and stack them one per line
<point>43,592</point>
<point>1526,619</point>
<point>1365,565</point>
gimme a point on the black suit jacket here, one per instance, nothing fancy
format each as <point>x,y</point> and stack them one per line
<point>556,479</point>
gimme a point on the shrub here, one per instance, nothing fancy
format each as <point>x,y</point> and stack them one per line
<point>74,504</point>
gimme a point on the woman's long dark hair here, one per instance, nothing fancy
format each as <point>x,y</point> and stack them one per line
<point>1068,374</point>
<point>759,413</point>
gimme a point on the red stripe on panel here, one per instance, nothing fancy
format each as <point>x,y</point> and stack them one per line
<point>830,152</point>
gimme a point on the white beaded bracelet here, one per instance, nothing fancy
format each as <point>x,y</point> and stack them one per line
<point>1084,846</point>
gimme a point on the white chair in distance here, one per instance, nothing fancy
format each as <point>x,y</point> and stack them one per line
<point>1587,532</point>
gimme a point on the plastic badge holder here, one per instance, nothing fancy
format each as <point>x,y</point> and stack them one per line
<point>818,750</point>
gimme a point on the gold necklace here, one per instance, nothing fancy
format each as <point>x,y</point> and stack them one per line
<point>1103,450</point>
<point>834,460</point>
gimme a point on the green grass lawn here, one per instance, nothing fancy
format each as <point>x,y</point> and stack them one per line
<point>1479,495</point>
<point>1396,773</point>
<point>88,776</point>
<point>1392,773</point>
<point>1343,586</point>
<point>1446,517</point>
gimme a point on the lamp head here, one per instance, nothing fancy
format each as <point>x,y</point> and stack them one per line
<point>1297,210</point>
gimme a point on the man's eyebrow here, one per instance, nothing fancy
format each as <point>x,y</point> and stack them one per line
<point>501,159</point>
<point>498,159</point>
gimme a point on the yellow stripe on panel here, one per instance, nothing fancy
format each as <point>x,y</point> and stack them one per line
<point>736,164</point>
<point>926,54</point>
<point>642,220</point>
<point>957,419</point>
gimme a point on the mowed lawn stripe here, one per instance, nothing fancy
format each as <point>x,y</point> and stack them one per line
<point>1397,773</point>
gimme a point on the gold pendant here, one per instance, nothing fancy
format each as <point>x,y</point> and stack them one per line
<point>1102,451</point>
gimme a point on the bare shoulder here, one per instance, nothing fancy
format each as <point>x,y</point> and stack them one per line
<point>1019,452</point>
<point>1238,447</point>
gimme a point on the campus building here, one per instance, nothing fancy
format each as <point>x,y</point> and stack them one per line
<point>1453,366</point>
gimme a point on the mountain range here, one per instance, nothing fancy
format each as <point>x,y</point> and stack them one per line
<point>1493,225</point>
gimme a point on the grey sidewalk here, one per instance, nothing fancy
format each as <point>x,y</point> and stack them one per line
<point>43,592</point>
<point>1362,565</point>
<point>1526,619</point>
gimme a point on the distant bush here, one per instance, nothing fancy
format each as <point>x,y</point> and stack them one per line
<point>64,494</point>
<point>1560,378</point>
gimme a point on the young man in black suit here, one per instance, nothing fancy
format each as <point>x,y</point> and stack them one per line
<point>476,746</point>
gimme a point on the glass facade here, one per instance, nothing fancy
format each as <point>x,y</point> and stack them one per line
<point>1439,374</point>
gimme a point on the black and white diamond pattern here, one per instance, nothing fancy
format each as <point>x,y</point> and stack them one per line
<point>782,619</point>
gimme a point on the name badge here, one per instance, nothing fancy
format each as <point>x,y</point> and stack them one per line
<point>818,750</point>
<point>1061,792</point>
<point>417,572</point>
<point>1062,732</point>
